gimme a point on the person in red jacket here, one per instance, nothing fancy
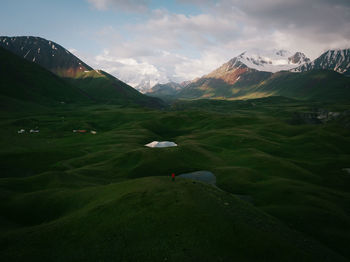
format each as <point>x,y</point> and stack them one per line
<point>173,177</point>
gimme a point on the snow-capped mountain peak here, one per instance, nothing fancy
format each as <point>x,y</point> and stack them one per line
<point>298,59</point>
<point>336,59</point>
<point>146,83</point>
<point>272,61</point>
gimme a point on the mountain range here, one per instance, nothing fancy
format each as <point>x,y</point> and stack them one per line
<point>262,60</point>
<point>274,61</point>
<point>250,75</point>
<point>95,85</point>
<point>336,60</point>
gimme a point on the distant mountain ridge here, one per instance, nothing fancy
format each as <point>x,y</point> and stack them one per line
<point>337,60</point>
<point>165,91</point>
<point>95,84</point>
<point>253,76</point>
<point>237,69</point>
<point>248,75</point>
<point>249,67</point>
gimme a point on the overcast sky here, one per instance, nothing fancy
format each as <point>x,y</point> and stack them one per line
<point>177,40</point>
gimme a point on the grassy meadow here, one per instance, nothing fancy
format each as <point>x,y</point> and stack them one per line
<point>69,196</point>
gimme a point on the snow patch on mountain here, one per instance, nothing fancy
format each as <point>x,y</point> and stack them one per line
<point>272,61</point>
<point>26,53</point>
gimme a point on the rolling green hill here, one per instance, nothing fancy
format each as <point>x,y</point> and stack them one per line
<point>84,197</point>
<point>281,164</point>
<point>148,219</point>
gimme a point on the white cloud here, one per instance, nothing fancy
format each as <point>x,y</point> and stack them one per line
<point>310,25</point>
<point>173,46</point>
<point>130,70</point>
<point>121,5</point>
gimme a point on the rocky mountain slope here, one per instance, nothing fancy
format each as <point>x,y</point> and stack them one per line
<point>48,54</point>
<point>253,75</point>
<point>220,82</point>
<point>244,71</point>
<point>337,60</point>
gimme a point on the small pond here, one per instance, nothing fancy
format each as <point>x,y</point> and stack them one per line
<point>203,176</point>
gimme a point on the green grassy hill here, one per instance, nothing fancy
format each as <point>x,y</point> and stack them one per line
<point>148,219</point>
<point>84,197</point>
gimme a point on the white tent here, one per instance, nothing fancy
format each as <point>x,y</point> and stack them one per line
<point>161,144</point>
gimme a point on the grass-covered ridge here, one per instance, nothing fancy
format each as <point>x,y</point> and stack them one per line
<point>70,196</point>
<point>318,85</point>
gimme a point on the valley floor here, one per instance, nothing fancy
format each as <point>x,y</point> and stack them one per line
<point>70,196</point>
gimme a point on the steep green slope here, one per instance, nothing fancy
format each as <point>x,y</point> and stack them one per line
<point>317,84</point>
<point>105,88</point>
<point>29,82</point>
<point>48,54</point>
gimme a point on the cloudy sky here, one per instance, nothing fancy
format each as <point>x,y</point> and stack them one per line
<point>177,40</point>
